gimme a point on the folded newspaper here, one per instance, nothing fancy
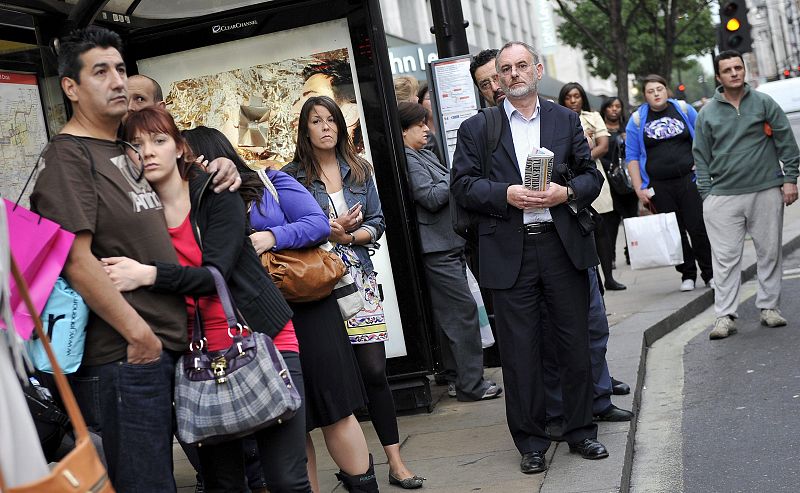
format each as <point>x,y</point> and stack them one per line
<point>538,169</point>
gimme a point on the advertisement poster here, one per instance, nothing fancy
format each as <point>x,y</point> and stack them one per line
<point>252,90</point>
<point>23,133</point>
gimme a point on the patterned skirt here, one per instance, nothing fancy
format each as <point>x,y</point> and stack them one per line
<point>368,325</point>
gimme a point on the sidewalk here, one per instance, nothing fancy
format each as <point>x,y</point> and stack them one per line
<point>462,447</point>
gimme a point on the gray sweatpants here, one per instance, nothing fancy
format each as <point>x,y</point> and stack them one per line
<point>728,218</point>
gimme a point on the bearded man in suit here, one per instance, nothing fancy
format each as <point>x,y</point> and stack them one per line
<point>534,247</point>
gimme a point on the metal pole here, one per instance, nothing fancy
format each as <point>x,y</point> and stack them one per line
<point>449,27</point>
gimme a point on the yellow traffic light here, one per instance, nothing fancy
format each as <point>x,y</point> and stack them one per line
<point>732,25</point>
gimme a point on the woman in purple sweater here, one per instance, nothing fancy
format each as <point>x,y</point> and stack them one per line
<point>285,216</point>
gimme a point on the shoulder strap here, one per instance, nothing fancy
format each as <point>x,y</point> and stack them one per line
<point>494,126</point>
<point>262,173</point>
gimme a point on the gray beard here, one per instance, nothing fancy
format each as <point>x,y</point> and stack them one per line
<point>519,92</point>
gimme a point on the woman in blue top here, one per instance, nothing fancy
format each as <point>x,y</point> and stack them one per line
<point>658,151</point>
<point>333,388</point>
<point>342,183</point>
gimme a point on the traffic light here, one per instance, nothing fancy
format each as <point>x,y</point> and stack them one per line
<point>734,29</point>
<point>680,93</point>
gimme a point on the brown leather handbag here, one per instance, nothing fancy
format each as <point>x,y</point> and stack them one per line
<point>304,274</point>
<point>81,470</point>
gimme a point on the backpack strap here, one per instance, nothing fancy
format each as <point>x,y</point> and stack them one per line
<point>637,118</point>
<point>494,126</point>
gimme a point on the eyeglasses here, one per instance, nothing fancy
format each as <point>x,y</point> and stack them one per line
<point>137,173</point>
<point>520,66</point>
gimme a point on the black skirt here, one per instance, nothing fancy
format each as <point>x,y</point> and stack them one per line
<point>332,379</point>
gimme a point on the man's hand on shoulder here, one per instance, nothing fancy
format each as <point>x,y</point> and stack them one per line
<point>228,176</point>
<point>789,192</point>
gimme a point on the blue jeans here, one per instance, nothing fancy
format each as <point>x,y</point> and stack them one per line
<point>131,407</point>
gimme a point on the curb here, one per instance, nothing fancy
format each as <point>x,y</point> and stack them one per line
<point>659,330</point>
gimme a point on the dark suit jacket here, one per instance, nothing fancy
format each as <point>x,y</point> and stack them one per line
<point>430,186</point>
<point>500,227</point>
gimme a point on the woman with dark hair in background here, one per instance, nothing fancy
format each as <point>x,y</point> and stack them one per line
<point>209,229</point>
<point>625,204</point>
<point>574,97</point>
<point>454,308</point>
<point>333,388</point>
<point>342,183</point>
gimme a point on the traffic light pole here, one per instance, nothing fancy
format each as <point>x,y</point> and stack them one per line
<point>449,27</point>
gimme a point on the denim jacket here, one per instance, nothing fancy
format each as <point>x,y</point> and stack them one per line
<point>366,194</point>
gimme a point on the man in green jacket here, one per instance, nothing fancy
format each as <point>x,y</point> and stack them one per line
<point>747,165</point>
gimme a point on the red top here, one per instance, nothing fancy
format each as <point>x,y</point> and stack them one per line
<point>216,325</point>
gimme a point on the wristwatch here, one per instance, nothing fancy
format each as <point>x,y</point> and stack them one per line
<point>352,240</point>
<point>570,194</point>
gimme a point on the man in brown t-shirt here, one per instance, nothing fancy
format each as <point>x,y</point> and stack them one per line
<point>87,185</point>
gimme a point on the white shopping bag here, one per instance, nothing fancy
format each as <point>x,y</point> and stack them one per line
<point>487,339</point>
<point>653,241</point>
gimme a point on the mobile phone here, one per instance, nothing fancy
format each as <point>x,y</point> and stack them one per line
<point>352,209</point>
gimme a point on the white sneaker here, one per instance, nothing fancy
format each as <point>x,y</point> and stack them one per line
<point>723,327</point>
<point>711,284</point>
<point>772,318</point>
<point>687,285</point>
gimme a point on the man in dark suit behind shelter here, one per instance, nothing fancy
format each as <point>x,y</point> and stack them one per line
<point>532,248</point>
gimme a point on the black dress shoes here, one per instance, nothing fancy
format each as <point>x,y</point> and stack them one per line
<point>613,413</point>
<point>533,463</point>
<point>613,285</point>
<point>589,448</point>
<point>619,388</point>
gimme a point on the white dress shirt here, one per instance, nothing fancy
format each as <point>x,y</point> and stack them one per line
<point>525,132</point>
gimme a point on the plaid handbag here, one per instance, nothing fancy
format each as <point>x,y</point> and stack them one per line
<point>228,394</point>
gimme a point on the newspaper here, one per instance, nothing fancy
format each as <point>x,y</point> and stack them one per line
<point>538,171</point>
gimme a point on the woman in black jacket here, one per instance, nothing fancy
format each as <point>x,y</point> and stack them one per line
<point>211,229</point>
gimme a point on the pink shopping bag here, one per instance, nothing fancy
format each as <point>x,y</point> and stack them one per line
<point>40,248</point>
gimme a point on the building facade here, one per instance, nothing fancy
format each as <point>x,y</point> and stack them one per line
<point>776,39</point>
<point>492,23</point>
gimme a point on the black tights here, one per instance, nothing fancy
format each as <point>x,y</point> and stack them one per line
<point>372,363</point>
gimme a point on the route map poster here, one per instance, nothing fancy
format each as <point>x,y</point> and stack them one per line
<point>23,133</point>
<point>456,99</point>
